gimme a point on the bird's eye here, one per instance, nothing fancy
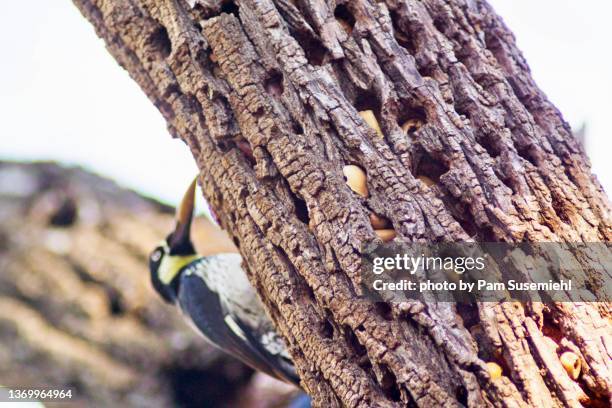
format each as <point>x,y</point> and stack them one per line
<point>156,255</point>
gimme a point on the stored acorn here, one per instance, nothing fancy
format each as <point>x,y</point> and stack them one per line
<point>411,126</point>
<point>369,118</point>
<point>495,370</point>
<point>426,180</point>
<point>356,179</point>
<point>571,363</point>
<point>378,222</point>
<point>385,235</point>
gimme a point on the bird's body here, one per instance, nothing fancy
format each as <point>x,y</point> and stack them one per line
<point>216,297</point>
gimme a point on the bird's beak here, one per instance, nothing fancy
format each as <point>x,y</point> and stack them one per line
<point>181,237</point>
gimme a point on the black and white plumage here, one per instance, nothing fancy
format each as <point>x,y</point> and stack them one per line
<point>216,297</point>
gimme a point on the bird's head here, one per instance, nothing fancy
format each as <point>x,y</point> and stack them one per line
<point>177,251</point>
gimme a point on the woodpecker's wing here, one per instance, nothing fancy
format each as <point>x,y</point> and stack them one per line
<point>205,309</point>
<point>268,344</point>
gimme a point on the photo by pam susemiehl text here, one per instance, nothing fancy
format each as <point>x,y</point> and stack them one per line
<point>544,272</point>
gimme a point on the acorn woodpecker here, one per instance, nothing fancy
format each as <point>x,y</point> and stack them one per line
<point>216,297</point>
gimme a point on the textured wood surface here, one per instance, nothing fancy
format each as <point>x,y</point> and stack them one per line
<point>267,95</point>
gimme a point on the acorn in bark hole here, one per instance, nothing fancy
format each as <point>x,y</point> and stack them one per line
<point>495,370</point>
<point>426,180</point>
<point>571,363</point>
<point>385,235</point>
<point>411,126</point>
<point>356,179</point>
<point>369,118</point>
<point>378,222</point>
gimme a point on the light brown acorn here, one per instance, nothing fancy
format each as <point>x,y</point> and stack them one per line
<point>369,118</point>
<point>571,363</point>
<point>426,180</point>
<point>495,370</point>
<point>385,235</point>
<point>411,126</point>
<point>356,179</point>
<point>378,222</point>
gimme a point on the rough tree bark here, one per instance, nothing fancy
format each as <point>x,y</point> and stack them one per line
<point>266,93</point>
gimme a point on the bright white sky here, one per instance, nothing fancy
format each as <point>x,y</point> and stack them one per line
<point>63,97</point>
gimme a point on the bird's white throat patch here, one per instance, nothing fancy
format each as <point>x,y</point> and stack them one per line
<point>172,264</point>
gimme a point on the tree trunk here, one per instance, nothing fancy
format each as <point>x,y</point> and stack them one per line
<point>267,95</point>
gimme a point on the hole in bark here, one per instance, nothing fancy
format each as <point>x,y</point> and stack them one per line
<point>225,146</point>
<point>327,330</point>
<point>274,83</point>
<point>344,17</point>
<point>245,147</point>
<point>404,39</point>
<point>430,168</point>
<point>173,89</point>
<point>592,400</point>
<point>230,7</point>
<point>236,242</point>
<point>297,128</point>
<point>428,71</point>
<point>309,292</point>
<point>462,395</point>
<point>203,58</point>
<point>490,144</point>
<point>366,366</point>
<point>487,234</point>
<point>384,310</point>
<point>550,328</point>
<point>559,207</point>
<point>411,112</point>
<point>259,112</point>
<point>528,153</point>
<point>388,382</point>
<point>461,213</point>
<point>440,25</point>
<point>198,12</point>
<point>160,43</point>
<point>65,215</point>
<point>411,119</point>
<point>469,313</point>
<point>301,209</point>
<point>314,50</point>
<point>508,181</point>
<point>367,100</point>
<point>353,342</point>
